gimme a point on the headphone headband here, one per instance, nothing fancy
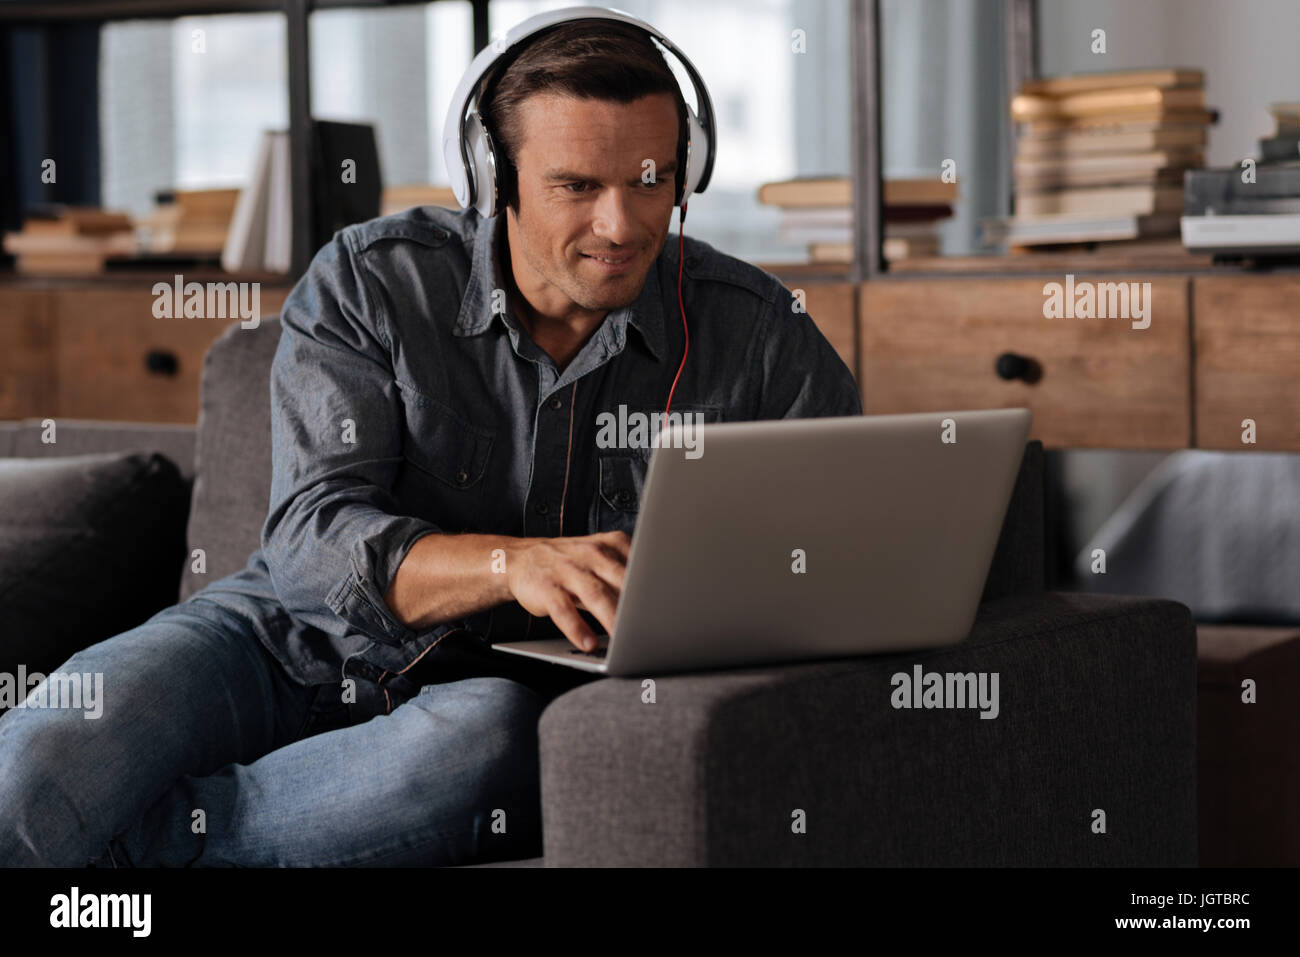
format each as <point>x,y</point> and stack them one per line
<point>467,146</point>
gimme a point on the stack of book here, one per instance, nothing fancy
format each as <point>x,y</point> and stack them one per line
<point>1237,212</point>
<point>58,239</point>
<point>818,212</point>
<point>193,222</point>
<point>1101,156</point>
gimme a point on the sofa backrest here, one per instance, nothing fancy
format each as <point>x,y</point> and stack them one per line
<point>232,452</point>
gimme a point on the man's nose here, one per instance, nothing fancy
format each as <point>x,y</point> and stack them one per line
<point>613,221</point>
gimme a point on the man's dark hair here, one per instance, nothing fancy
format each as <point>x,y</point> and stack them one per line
<point>584,59</point>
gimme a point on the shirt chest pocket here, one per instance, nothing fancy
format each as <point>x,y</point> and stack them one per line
<point>447,458</point>
<point>619,487</point>
<point>623,468</point>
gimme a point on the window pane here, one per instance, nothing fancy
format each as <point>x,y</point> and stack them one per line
<point>395,69</point>
<point>183,102</point>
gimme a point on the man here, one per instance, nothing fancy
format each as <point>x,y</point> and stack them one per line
<point>437,482</point>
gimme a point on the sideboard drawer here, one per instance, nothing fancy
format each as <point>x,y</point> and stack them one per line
<point>1090,382</point>
<point>115,360</point>
<point>1247,361</point>
<point>26,367</point>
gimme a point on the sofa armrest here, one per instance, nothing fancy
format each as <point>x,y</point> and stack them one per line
<point>1096,710</point>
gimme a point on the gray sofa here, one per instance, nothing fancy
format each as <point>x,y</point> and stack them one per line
<point>1090,761</point>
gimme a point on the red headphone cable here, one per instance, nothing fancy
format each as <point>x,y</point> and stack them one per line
<point>681,259</point>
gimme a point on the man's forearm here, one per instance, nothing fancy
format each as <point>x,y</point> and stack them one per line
<point>446,577</point>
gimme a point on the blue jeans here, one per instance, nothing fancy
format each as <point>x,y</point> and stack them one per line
<point>206,753</point>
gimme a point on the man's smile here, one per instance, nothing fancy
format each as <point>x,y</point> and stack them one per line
<point>611,263</point>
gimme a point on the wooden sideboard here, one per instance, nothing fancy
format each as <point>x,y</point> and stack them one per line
<point>1222,347</point>
<point>93,349</point>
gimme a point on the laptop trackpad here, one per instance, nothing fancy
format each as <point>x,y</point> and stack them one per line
<point>560,648</point>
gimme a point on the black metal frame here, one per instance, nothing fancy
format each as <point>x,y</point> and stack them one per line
<point>1020,63</point>
<point>867,175</point>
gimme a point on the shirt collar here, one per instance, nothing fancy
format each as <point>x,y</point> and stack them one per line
<point>645,314</point>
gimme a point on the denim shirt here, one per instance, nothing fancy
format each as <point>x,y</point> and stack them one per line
<point>403,404</point>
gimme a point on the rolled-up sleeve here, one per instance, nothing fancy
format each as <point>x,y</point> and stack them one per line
<point>802,375</point>
<point>332,538</point>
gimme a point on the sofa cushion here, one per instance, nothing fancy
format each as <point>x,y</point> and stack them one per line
<point>90,546</point>
<point>232,453</point>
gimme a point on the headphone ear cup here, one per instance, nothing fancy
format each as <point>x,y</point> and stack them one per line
<point>697,152</point>
<point>483,173</point>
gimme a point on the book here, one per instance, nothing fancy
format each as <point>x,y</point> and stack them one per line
<point>1110,141</point>
<point>1138,120</point>
<point>1048,182</point>
<point>193,222</point>
<point>60,219</point>
<point>1023,230</point>
<point>1126,100</point>
<point>1285,115</point>
<point>1275,189</point>
<point>927,191</point>
<point>1280,149</point>
<point>803,217</point>
<point>199,204</point>
<point>894,249</point>
<point>337,203</point>
<point>1120,164</point>
<point>1103,201</point>
<point>831,252</point>
<point>1086,82</point>
<point>246,240</point>
<point>277,249</point>
<point>812,217</point>
<point>54,254</point>
<point>838,191</point>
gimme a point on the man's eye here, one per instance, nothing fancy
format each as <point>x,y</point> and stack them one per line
<point>581,187</point>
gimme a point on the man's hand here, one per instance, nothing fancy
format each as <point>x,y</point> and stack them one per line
<point>554,577</point>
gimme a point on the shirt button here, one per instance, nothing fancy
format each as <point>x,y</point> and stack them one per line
<point>541,508</point>
<point>623,498</point>
<point>557,403</point>
<point>461,476</point>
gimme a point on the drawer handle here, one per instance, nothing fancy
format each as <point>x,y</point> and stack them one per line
<point>1010,366</point>
<point>161,362</point>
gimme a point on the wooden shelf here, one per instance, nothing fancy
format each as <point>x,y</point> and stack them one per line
<point>11,279</point>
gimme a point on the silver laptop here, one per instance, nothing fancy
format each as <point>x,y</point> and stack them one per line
<point>808,538</point>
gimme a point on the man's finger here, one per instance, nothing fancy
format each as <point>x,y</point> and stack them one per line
<point>610,569</point>
<point>569,622</point>
<point>596,596</point>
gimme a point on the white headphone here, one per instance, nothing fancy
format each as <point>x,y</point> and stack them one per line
<point>467,146</point>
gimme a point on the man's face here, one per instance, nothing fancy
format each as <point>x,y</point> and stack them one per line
<point>583,198</point>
